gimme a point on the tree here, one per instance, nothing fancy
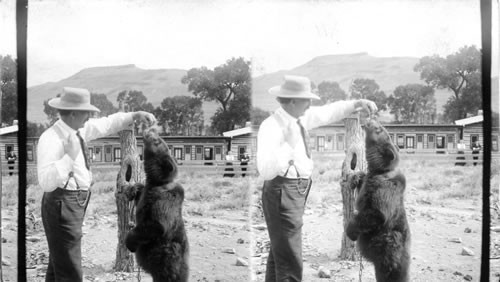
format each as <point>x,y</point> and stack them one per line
<point>52,114</point>
<point>102,103</point>
<point>34,129</point>
<point>135,101</point>
<point>181,115</point>
<point>329,91</point>
<point>363,88</point>
<point>413,103</point>
<point>223,84</point>
<point>8,89</point>
<point>258,115</point>
<point>459,72</point>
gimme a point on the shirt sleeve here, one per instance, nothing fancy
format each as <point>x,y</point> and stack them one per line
<point>327,114</point>
<point>272,153</point>
<point>101,127</point>
<point>53,165</point>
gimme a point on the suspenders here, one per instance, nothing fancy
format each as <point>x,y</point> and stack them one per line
<point>290,163</point>
<point>71,173</point>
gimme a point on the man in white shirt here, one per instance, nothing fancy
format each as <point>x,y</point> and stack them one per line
<point>65,177</point>
<point>284,161</point>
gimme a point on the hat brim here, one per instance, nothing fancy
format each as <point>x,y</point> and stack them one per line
<point>57,104</point>
<point>283,93</point>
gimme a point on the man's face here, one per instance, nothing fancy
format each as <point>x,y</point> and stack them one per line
<point>80,118</point>
<point>299,106</point>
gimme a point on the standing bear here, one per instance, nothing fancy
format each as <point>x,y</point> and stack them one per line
<point>379,224</point>
<point>159,239</point>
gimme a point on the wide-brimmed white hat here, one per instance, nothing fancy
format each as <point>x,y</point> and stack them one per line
<point>294,86</point>
<point>76,99</point>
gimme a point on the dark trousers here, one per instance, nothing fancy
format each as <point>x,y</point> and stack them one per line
<point>475,158</point>
<point>62,215</point>
<point>283,202</point>
<point>11,167</point>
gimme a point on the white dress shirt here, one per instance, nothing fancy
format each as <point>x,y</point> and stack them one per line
<point>54,166</point>
<point>274,148</point>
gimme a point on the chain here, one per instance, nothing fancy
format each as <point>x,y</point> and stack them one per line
<point>360,267</point>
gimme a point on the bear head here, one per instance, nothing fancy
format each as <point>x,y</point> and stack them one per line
<point>381,153</point>
<point>159,166</point>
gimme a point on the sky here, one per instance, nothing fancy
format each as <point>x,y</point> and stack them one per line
<point>65,36</point>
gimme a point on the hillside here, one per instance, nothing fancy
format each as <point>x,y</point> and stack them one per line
<point>388,72</point>
<point>155,84</point>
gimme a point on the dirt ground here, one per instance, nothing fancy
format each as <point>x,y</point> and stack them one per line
<point>220,243</point>
<point>439,235</point>
<point>219,249</point>
<point>495,241</point>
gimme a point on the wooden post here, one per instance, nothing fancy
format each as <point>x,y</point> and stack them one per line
<point>354,162</point>
<point>131,172</point>
<point>1,191</point>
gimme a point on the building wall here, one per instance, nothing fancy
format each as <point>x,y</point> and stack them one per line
<point>244,143</point>
<point>417,137</point>
<point>8,141</point>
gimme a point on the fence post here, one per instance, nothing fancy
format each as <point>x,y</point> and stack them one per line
<point>131,172</point>
<point>354,162</point>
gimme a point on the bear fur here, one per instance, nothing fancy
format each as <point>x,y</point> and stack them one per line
<point>159,239</point>
<point>379,224</point>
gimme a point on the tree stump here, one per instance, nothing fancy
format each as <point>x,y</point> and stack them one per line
<point>131,172</point>
<point>354,162</point>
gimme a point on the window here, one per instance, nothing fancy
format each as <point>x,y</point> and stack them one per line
<point>473,138</point>
<point>420,138</point>
<point>340,142</point>
<point>241,152</point>
<point>494,142</point>
<point>117,153</point>
<point>199,153</point>
<point>187,153</point>
<point>410,142</point>
<point>29,152</point>
<point>440,142</point>
<point>451,140</point>
<point>329,143</point>
<point>312,143</point>
<point>218,150</point>
<point>98,154</point>
<point>321,143</point>
<point>178,153</point>
<point>208,153</point>
<point>8,148</point>
<point>392,137</point>
<point>430,142</point>
<point>401,141</point>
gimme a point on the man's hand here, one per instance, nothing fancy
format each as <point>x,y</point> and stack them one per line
<point>72,146</point>
<point>367,106</point>
<point>147,119</point>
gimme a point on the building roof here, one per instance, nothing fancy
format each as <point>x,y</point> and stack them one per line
<point>238,132</point>
<point>9,129</point>
<point>469,120</point>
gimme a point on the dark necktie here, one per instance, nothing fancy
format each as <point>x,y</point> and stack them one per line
<point>305,138</point>
<point>84,150</point>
